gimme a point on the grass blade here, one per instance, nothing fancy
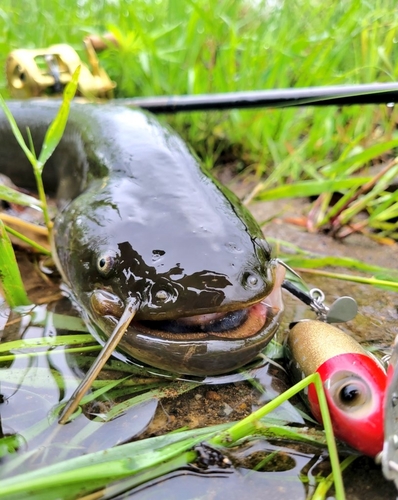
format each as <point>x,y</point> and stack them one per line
<point>16,131</point>
<point>83,338</point>
<point>27,240</point>
<point>13,196</point>
<point>311,188</point>
<point>57,127</point>
<point>10,277</point>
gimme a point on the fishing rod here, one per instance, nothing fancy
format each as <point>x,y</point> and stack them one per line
<point>26,78</point>
<point>337,95</point>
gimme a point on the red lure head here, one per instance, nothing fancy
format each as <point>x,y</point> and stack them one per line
<point>354,382</point>
<point>355,386</point>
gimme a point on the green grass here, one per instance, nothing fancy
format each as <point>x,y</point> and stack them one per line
<point>187,46</point>
<point>10,278</point>
<point>51,141</point>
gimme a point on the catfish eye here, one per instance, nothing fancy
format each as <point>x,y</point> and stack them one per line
<point>251,281</point>
<point>105,264</point>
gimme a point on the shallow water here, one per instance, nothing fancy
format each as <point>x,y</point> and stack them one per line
<point>32,389</point>
<point>243,481</point>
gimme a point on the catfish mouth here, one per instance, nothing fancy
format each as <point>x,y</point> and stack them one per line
<point>237,323</point>
<point>205,323</point>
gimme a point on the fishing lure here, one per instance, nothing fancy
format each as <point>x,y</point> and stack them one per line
<point>354,382</point>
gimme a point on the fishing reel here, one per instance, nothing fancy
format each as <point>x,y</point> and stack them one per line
<point>46,72</point>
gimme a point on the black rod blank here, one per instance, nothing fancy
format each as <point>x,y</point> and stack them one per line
<point>338,95</point>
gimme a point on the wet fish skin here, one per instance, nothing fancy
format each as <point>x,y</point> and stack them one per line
<point>139,217</point>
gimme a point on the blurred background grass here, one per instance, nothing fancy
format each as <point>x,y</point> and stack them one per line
<point>198,46</point>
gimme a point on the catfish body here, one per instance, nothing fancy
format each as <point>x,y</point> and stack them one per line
<point>140,217</point>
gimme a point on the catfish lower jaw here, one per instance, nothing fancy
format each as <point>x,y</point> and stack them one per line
<point>238,324</point>
<point>205,350</point>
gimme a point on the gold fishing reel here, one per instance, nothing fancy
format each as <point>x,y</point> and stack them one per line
<point>44,72</point>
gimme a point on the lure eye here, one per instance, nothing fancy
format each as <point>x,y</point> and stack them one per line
<point>350,393</point>
<point>105,264</point>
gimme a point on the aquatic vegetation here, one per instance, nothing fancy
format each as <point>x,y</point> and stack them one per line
<point>65,460</point>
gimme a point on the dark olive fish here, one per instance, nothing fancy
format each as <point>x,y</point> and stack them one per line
<point>139,218</point>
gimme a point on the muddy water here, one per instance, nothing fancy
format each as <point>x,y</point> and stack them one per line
<point>290,470</point>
